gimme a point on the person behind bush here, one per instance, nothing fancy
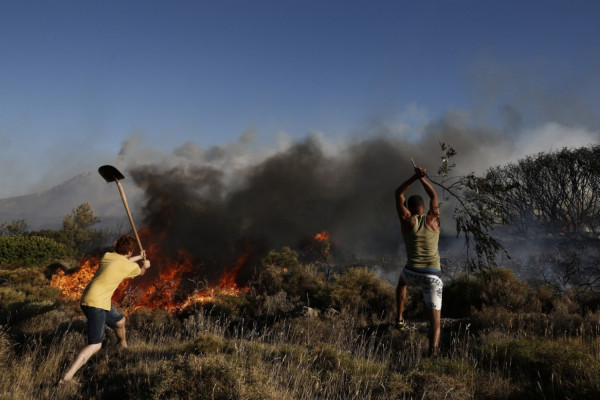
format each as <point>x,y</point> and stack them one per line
<point>421,234</point>
<point>96,298</point>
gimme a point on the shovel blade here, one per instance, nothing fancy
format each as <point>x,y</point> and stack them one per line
<point>110,173</point>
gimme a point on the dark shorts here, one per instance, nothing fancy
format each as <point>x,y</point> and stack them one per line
<point>97,318</point>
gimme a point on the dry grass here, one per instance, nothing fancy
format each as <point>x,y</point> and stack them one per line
<point>512,342</point>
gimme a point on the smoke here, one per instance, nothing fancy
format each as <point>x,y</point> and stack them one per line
<point>242,197</point>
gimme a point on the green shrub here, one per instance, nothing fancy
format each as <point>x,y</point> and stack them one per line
<point>31,250</point>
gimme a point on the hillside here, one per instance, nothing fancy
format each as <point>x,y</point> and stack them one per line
<point>45,210</point>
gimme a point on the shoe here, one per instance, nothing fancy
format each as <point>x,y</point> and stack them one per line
<point>400,324</point>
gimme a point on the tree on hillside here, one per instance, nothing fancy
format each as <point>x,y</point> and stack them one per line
<point>81,218</point>
<point>78,232</point>
<point>15,227</point>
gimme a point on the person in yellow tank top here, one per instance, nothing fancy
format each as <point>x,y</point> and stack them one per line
<point>96,299</point>
<point>421,234</point>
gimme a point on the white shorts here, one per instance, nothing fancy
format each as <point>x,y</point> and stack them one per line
<point>431,286</point>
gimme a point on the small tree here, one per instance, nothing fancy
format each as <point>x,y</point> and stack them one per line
<point>15,227</point>
<point>80,219</point>
<point>474,218</point>
<point>77,232</point>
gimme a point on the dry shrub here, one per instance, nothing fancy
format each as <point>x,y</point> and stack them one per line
<point>360,292</point>
<point>47,322</point>
<point>432,386</point>
<point>460,296</point>
<point>498,318</point>
<point>282,285</point>
<point>26,295</point>
<point>557,368</point>
<point>8,296</point>
<point>546,295</point>
<point>209,377</point>
<point>393,386</point>
<point>6,347</point>
<point>152,322</point>
<point>443,378</point>
<point>493,288</point>
<point>205,344</point>
<point>308,284</point>
<point>306,330</point>
<point>330,372</point>
<point>272,305</point>
<point>492,385</point>
<point>500,287</point>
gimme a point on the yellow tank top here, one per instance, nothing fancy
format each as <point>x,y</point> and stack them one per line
<point>422,247</point>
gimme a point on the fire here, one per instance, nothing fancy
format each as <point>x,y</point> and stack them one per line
<point>322,236</point>
<point>73,285</point>
<point>163,286</point>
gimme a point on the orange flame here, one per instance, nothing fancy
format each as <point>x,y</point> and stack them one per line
<point>73,285</point>
<point>322,236</point>
<point>162,291</point>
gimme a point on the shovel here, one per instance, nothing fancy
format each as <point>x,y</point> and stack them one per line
<point>111,174</point>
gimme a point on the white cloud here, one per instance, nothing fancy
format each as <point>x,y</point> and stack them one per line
<point>551,137</point>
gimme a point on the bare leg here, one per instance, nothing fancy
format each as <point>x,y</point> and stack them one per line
<point>400,300</point>
<point>83,356</point>
<point>434,331</point>
<point>121,333</point>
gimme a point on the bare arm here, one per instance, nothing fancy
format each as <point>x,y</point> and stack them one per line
<point>433,198</point>
<point>145,265</point>
<point>433,215</point>
<point>403,212</point>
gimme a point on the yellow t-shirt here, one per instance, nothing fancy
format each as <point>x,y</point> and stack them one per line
<point>113,269</point>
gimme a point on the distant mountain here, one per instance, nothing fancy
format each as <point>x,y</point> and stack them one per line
<point>46,210</point>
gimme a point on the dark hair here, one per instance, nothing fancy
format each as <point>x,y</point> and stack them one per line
<point>126,244</point>
<point>414,203</point>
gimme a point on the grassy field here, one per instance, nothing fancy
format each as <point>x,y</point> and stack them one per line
<point>298,335</point>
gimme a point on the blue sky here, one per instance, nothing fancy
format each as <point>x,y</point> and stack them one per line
<point>78,78</point>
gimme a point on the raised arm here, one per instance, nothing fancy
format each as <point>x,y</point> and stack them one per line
<point>433,198</point>
<point>433,215</point>
<point>403,213</point>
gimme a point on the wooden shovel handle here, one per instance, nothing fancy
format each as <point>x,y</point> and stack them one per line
<point>122,192</point>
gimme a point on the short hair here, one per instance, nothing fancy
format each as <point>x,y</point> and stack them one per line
<point>126,244</point>
<point>414,203</point>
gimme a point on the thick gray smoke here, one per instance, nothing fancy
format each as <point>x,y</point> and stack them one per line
<point>280,201</point>
<point>224,201</point>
